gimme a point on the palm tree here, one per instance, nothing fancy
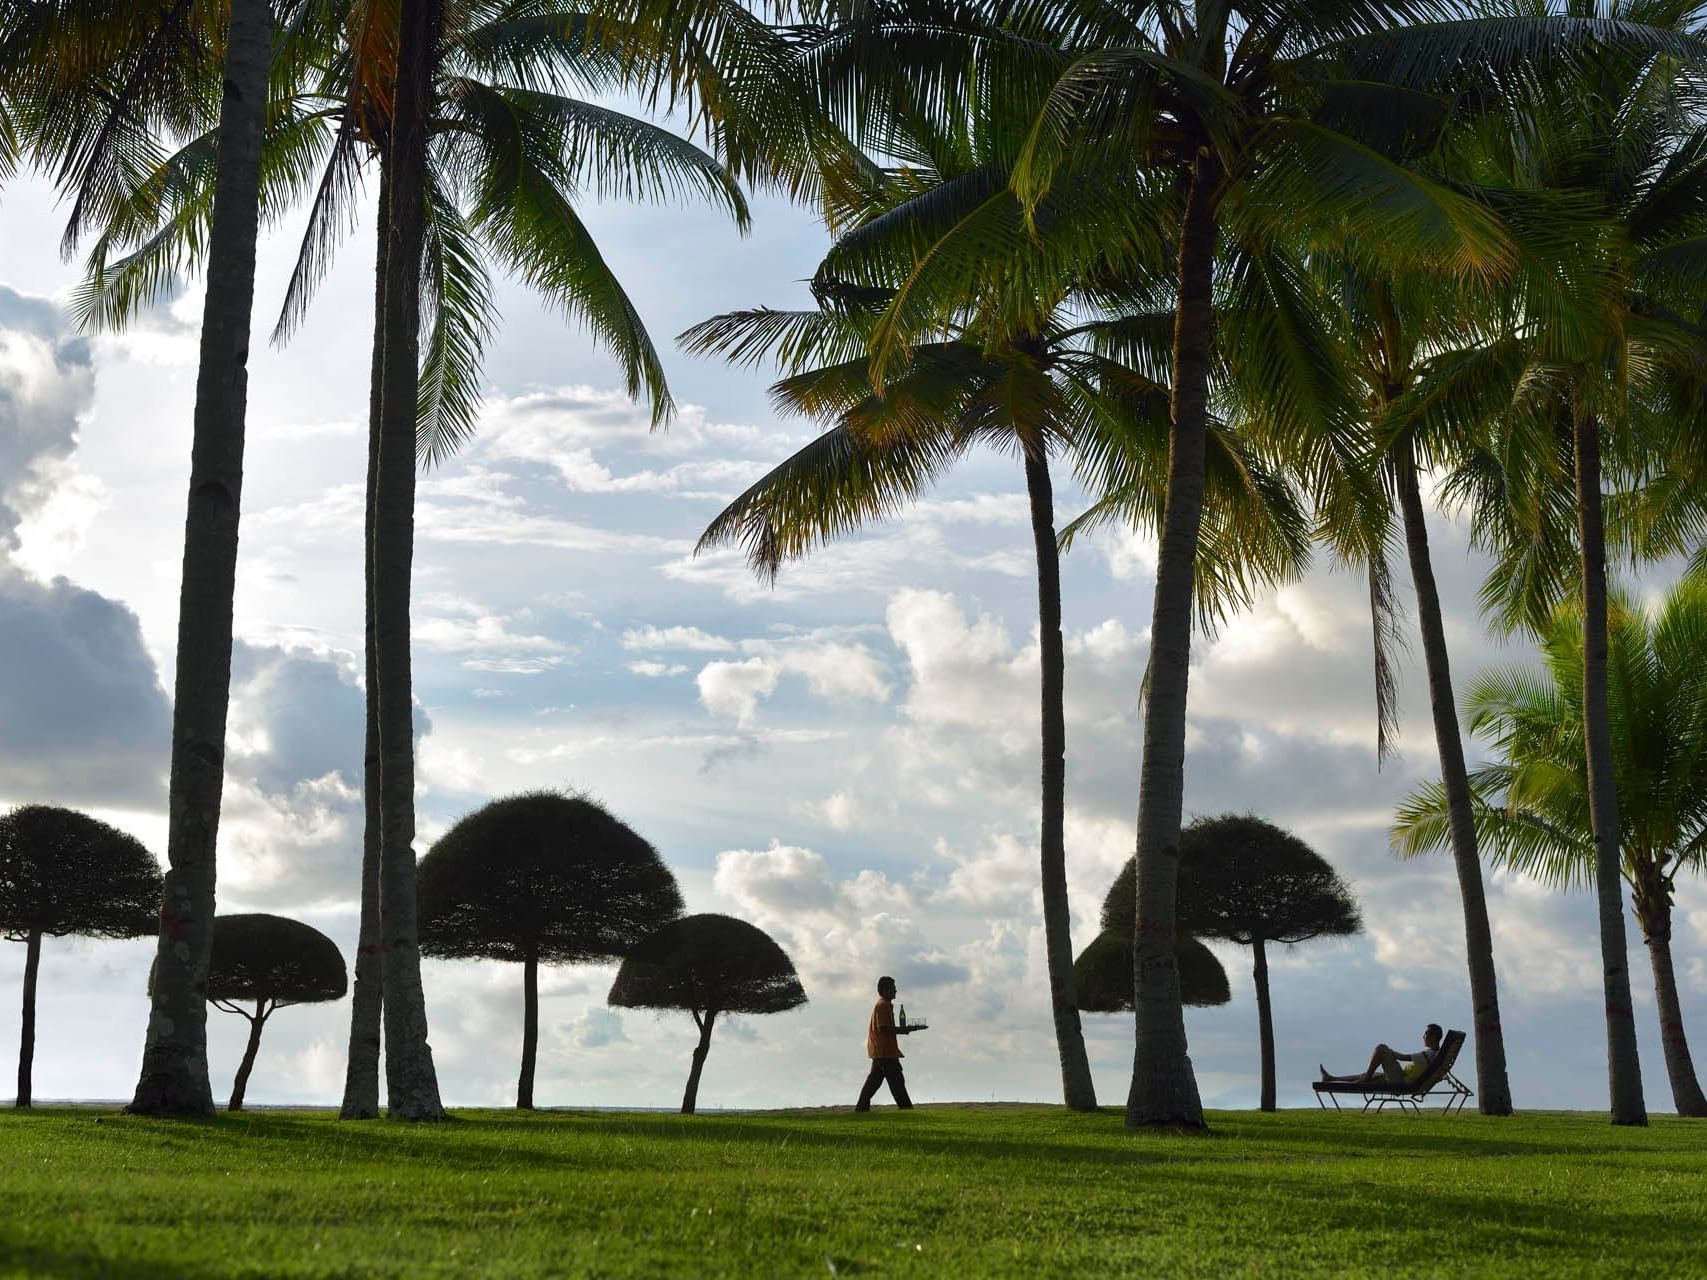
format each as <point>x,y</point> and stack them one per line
<point>412,1087</point>
<point>1008,370</point>
<point>117,75</point>
<point>1589,402</point>
<point>1284,120</point>
<point>1394,332</point>
<point>514,139</point>
<point>1533,804</point>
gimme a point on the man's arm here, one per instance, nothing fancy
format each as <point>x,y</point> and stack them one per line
<point>889,1027</point>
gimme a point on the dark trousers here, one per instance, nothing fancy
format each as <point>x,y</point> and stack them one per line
<point>884,1069</point>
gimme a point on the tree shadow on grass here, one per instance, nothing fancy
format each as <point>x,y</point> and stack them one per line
<point>489,1142</point>
<point>1489,1226</point>
<point>1352,1134</point>
<point>21,1257</point>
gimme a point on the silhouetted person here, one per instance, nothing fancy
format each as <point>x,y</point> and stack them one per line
<point>883,1047</point>
<point>1395,1067</point>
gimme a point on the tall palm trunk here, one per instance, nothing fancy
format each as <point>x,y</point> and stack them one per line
<point>690,1095</point>
<point>174,1079</point>
<point>361,1069</point>
<point>1265,1021</point>
<point>1493,1086</point>
<point>412,1089</point>
<point>1653,914</point>
<point>1624,1069</point>
<point>1164,1090</point>
<point>240,1085</point>
<point>27,1027</point>
<point>530,1031</point>
<point>1076,1085</point>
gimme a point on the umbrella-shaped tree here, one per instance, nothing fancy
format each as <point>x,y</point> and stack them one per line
<point>541,878</point>
<point>1250,882</point>
<point>1102,975</point>
<point>707,964</point>
<point>273,961</point>
<point>64,872</point>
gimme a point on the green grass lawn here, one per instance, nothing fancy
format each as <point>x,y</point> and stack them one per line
<point>963,1191</point>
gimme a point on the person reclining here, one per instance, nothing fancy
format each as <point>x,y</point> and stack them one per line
<point>1392,1067</point>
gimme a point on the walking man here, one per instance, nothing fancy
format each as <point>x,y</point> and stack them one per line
<point>883,1047</point>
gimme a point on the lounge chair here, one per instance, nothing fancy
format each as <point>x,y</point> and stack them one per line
<point>1379,1092</point>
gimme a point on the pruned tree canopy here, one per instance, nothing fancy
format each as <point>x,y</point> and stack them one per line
<point>1245,879</point>
<point>545,876</point>
<point>708,962</point>
<point>273,960</point>
<point>63,872</point>
<point>1102,975</point>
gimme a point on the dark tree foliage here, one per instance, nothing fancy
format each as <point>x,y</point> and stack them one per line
<point>1250,882</point>
<point>1102,975</point>
<point>273,961</point>
<point>541,878</point>
<point>707,964</point>
<point>63,872</point>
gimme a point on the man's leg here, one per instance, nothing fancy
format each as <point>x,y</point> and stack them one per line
<point>1392,1070</point>
<point>897,1081</point>
<point>872,1080</point>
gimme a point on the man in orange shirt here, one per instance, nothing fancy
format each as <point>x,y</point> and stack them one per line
<point>883,1047</point>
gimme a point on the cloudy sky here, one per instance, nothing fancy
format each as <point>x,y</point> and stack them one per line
<point>847,759</point>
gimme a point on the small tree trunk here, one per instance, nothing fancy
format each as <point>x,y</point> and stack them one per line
<point>530,1031</point>
<point>1164,1090</point>
<point>240,1085</point>
<point>1077,1087</point>
<point>361,1071</point>
<point>1653,912</point>
<point>174,1078</point>
<point>691,1095</point>
<point>1624,1070</point>
<point>27,1032</point>
<point>1265,1021</point>
<point>1492,1083</point>
<point>412,1089</point>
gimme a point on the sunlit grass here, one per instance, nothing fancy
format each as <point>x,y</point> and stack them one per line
<point>963,1191</point>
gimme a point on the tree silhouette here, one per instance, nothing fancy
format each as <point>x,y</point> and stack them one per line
<point>1104,972</point>
<point>1532,797</point>
<point>541,878</point>
<point>707,964</point>
<point>63,872</point>
<point>1102,975</point>
<point>1248,881</point>
<point>274,961</point>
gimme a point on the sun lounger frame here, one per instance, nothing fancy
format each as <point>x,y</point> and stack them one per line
<point>1380,1094</point>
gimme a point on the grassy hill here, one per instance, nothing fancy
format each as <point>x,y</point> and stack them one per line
<point>951,1190</point>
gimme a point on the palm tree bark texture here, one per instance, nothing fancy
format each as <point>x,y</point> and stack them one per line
<point>1624,1070</point>
<point>1077,1086</point>
<point>1164,1090</point>
<point>412,1090</point>
<point>1492,1081</point>
<point>1652,893</point>
<point>174,1076</point>
<point>361,1069</point>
